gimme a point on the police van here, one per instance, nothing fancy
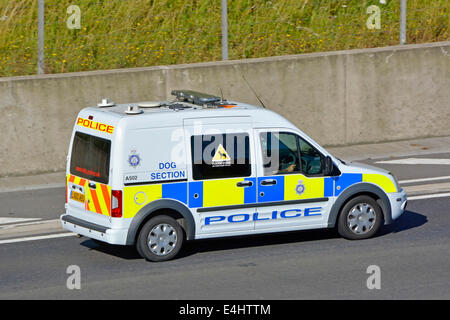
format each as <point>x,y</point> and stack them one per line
<point>155,174</point>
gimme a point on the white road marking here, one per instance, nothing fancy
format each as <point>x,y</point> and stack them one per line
<point>417,161</point>
<point>14,225</point>
<point>429,196</point>
<point>49,236</point>
<point>424,179</point>
<point>33,187</point>
<point>14,220</point>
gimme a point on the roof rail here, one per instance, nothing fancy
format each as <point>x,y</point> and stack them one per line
<point>195,97</point>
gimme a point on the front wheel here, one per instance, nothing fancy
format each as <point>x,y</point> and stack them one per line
<point>160,239</point>
<point>360,218</point>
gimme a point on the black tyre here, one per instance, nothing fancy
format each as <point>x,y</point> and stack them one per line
<point>160,239</point>
<point>360,218</point>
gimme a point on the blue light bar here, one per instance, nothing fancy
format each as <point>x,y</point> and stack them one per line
<point>195,97</point>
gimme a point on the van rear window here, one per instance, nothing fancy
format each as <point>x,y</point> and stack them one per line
<point>90,157</point>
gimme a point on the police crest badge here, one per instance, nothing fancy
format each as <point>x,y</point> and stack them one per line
<point>300,188</point>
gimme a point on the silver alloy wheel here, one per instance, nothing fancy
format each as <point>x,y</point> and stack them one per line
<point>162,239</point>
<point>361,218</point>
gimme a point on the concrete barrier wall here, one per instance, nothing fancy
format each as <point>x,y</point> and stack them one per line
<point>338,98</point>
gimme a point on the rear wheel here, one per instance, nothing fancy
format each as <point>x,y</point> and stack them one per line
<point>160,239</point>
<point>360,218</point>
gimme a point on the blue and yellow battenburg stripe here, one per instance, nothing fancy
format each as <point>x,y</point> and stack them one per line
<point>223,192</point>
<point>136,197</point>
<point>286,186</point>
<point>347,179</point>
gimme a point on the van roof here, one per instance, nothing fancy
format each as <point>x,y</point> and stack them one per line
<point>173,113</point>
<point>161,107</point>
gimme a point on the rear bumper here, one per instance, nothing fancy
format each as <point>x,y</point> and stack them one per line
<point>94,231</point>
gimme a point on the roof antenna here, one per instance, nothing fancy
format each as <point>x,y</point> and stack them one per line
<point>221,94</point>
<point>254,92</point>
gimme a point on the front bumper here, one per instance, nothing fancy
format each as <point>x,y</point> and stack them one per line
<point>398,202</point>
<point>94,231</point>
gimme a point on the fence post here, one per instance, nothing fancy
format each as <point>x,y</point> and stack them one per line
<point>41,63</point>
<point>224,30</point>
<point>403,22</point>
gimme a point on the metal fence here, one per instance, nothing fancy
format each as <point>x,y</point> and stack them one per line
<point>76,35</point>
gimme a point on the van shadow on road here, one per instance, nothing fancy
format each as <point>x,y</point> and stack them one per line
<point>407,221</point>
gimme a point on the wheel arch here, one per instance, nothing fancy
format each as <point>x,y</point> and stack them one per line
<point>172,208</point>
<point>360,189</point>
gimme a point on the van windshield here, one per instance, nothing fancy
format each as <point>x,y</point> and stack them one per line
<point>90,157</point>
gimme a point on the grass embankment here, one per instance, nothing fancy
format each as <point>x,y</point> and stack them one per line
<point>132,33</point>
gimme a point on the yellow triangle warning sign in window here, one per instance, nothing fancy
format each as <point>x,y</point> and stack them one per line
<point>221,154</point>
<point>221,157</point>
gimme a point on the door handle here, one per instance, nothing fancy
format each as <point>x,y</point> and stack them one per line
<point>244,184</point>
<point>92,185</point>
<point>268,182</point>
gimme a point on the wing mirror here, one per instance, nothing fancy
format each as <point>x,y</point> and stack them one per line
<point>328,166</point>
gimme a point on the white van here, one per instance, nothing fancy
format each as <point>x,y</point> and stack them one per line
<point>155,174</point>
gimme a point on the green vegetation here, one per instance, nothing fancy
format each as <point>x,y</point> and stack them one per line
<point>135,33</point>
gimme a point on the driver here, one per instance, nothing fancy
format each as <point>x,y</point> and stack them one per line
<point>290,168</point>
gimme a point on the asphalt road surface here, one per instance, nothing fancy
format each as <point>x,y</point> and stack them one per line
<point>412,254</point>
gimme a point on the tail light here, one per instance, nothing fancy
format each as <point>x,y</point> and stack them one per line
<point>116,203</point>
<point>67,190</point>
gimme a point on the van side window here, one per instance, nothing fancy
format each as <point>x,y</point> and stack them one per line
<point>311,158</point>
<point>220,156</point>
<point>280,153</point>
